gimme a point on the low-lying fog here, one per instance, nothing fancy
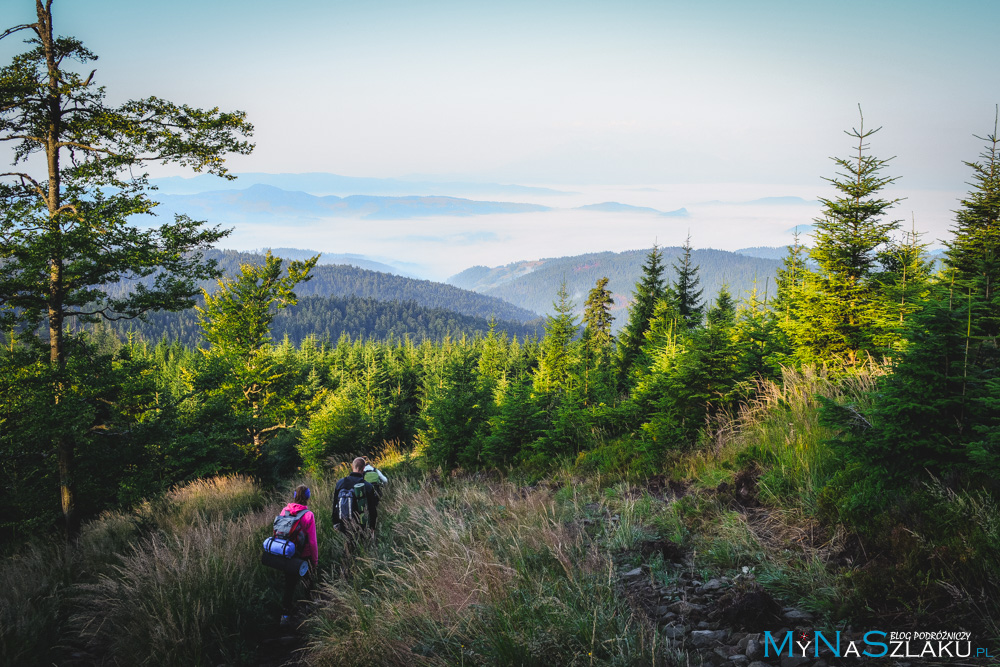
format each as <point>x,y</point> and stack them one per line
<point>726,217</point>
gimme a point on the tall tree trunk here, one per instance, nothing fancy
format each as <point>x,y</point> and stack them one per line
<point>57,357</point>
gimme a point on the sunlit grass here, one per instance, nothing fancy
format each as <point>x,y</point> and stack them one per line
<point>481,573</point>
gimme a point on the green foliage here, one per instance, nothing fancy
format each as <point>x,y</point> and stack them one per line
<point>68,205</point>
<point>560,354</point>
<point>698,382</point>
<point>597,343</point>
<point>236,322</point>
<point>841,309</point>
<point>517,421</point>
<point>648,291</point>
<point>236,318</point>
<point>454,411</point>
<point>684,289</point>
<point>974,251</point>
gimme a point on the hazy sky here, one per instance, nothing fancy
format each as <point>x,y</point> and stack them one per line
<point>624,92</point>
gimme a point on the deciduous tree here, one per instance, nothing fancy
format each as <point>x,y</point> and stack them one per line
<point>69,203</point>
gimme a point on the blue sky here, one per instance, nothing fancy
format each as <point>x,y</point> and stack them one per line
<point>570,92</point>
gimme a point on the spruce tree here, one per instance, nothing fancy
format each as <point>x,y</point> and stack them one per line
<point>699,380</point>
<point>762,345</point>
<point>843,313</point>
<point>789,280</point>
<point>557,361</point>
<point>687,296</point>
<point>906,279</point>
<point>597,338</point>
<point>648,291</point>
<point>973,255</point>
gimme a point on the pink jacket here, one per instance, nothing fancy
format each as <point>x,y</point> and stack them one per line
<point>307,524</point>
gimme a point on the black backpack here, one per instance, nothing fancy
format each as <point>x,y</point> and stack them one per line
<point>352,505</point>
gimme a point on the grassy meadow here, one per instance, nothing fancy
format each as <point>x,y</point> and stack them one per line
<point>493,569</point>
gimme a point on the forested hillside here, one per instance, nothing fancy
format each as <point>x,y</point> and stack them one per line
<point>345,281</point>
<point>327,318</point>
<point>532,283</point>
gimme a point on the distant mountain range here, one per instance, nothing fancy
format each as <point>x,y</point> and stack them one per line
<point>266,203</point>
<point>330,317</point>
<point>615,207</point>
<point>351,281</point>
<point>350,259</point>
<point>327,184</point>
<point>533,284</point>
<point>765,252</point>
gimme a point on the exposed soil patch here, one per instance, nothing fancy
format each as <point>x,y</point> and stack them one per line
<point>670,551</point>
<point>741,493</point>
<point>665,489</point>
<point>748,607</point>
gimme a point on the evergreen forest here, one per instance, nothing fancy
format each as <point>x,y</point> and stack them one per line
<point>828,455</point>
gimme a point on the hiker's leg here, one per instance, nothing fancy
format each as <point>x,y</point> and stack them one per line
<point>291,581</point>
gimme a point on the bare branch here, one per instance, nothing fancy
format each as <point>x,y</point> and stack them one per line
<point>26,26</point>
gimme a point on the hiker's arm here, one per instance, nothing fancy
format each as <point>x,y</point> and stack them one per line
<point>313,545</point>
<point>335,515</point>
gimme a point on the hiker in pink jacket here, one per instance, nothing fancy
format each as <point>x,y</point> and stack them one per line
<point>306,526</point>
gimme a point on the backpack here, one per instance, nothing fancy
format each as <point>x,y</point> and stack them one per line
<point>352,504</point>
<point>288,527</point>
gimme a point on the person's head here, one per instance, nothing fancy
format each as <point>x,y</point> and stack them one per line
<point>301,494</point>
<point>358,465</point>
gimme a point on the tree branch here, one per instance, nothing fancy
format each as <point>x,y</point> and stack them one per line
<point>24,177</point>
<point>26,26</point>
<point>103,313</point>
<point>23,137</point>
<point>83,147</point>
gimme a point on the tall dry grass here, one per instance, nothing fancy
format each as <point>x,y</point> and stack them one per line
<point>209,499</point>
<point>175,581</point>
<point>471,572</point>
<point>38,587</point>
<point>186,597</point>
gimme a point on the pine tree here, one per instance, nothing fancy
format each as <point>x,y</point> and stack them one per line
<point>69,204</point>
<point>699,381</point>
<point>906,279</point>
<point>761,344</point>
<point>687,296</point>
<point>648,291</point>
<point>454,412</point>
<point>937,411</point>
